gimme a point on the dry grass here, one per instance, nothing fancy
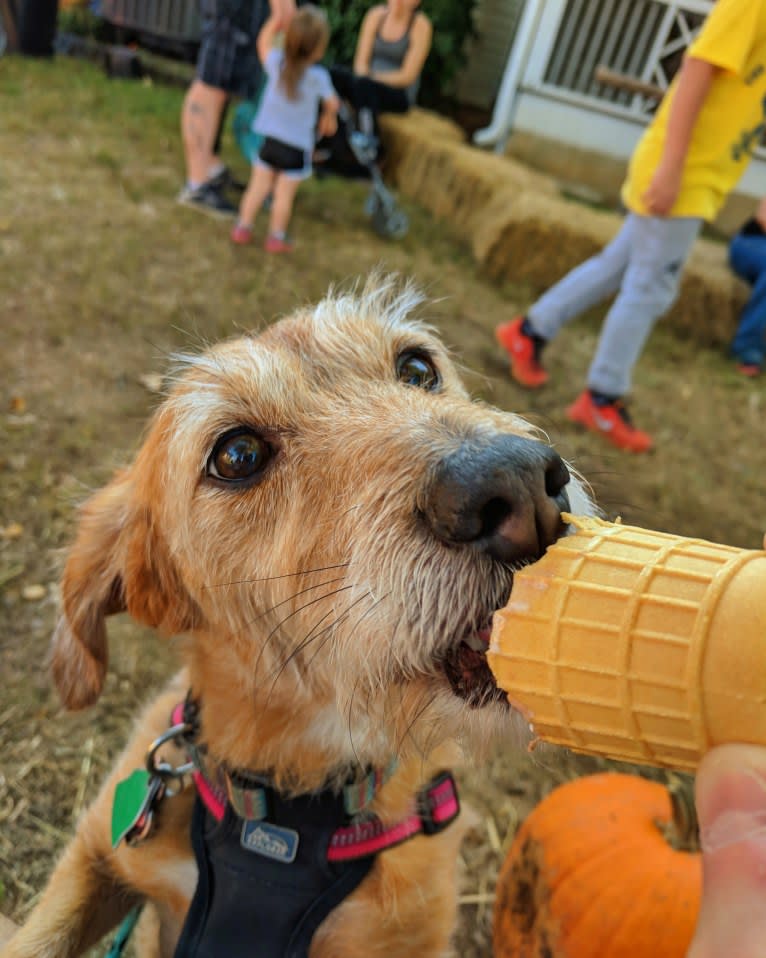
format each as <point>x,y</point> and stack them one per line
<point>103,275</point>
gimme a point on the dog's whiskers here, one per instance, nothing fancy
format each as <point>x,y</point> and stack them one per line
<point>428,701</point>
<point>301,608</point>
<point>274,578</point>
<point>309,588</point>
<point>326,632</point>
<point>350,717</point>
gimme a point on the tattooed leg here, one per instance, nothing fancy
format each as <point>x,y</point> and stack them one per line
<point>200,118</point>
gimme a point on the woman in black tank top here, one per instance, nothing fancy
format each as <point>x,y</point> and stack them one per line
<point>394,41</point>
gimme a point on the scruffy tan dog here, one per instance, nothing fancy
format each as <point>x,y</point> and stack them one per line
<point>330,521</point>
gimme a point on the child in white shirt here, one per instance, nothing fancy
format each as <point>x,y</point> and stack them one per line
<point>287,119</point>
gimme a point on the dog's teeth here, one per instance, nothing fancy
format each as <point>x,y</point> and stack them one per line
<point>474,642</point>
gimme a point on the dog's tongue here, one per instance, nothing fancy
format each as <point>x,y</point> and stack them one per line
<point>466,668</point>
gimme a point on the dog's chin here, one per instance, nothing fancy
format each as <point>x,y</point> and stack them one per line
<point>469,675</point>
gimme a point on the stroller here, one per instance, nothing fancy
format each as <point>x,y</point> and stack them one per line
<point>353,152</point>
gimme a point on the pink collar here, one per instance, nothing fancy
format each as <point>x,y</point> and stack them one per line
<point>434,807</point>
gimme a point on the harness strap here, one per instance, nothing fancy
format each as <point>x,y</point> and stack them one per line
<point>437,805</point>
<point>301,938</point>
<point>248,795</point>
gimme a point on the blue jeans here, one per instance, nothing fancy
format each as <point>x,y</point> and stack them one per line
<point>747,256</point>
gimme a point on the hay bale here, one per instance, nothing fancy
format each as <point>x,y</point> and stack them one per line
<point>429,162</point>
<point>536,239</point>
<point>520,228</point>
<point>711,298</point>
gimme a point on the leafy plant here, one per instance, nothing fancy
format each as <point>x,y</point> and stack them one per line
<point>82,22</point>
<point>453,26</point>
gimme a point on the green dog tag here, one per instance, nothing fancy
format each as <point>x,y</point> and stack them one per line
<point>134,797</point>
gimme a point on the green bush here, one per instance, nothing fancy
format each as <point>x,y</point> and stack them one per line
<point>82,22</point>
<point>453,25</point>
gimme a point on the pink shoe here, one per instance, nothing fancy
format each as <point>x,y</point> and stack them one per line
<point>275,244</point>
<point>241,235</point>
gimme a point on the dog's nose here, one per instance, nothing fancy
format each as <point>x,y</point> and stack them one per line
<point>503,496</point>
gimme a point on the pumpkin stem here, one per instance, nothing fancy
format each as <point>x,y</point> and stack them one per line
<point>681,831</point>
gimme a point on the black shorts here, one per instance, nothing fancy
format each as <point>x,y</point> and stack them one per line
<point>283,158</point>
<point>227,57</point>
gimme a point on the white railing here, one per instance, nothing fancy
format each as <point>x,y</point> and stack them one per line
<point>643,39</point>
<point>560,43</point>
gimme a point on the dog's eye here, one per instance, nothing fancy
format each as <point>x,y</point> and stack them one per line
<point>238,456</point>
<point>417,369</point>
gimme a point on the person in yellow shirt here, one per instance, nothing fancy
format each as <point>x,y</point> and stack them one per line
<point>691,155</point>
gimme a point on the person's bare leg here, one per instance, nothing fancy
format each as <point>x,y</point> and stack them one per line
<point>260,185</point>
<point>285,189</point>
<point>200,118</point>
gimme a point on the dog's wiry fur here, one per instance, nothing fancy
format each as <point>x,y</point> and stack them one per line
<point>315,603</point>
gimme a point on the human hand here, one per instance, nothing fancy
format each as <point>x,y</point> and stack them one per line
<point>731,806</point>
<point>663,190</point>
<point>760,213</point>
<point>283,11</point>
<point>328,124</point>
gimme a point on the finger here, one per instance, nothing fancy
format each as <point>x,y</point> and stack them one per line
<point>731,804</point>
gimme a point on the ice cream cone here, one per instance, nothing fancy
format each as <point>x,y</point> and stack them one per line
<point>637,645</point>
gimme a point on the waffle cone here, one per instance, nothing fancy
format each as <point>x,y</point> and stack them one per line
<point>637,645</point>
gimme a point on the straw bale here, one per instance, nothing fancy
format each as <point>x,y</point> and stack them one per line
<point>535,238</point>
<point>520,228</point>
<point>430,163</point>
<point>711,299</point>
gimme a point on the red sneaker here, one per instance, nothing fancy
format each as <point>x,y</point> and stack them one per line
<point>751,370</point>
<point>523,353</point>
<point>611,420</point>
<point>241,235</point>
<point>275,244</point>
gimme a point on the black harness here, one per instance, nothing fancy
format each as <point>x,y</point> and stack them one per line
<point>264,888</point>
<point>271,867</point>
<point>266,884</point>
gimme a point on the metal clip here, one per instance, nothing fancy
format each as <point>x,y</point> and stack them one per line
<point>164,770</point>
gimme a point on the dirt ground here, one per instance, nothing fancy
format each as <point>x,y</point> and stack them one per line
<point>102,276</point>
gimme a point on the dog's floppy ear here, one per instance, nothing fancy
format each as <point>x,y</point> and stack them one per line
<point>118,563</point>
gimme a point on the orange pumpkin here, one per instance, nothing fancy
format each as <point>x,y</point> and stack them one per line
<point>593,873</point>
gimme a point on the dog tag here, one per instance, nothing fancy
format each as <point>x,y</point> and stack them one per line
<point>133,806</point>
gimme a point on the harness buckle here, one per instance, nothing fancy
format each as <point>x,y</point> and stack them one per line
<point>164,770</point>
<point>438,803</point>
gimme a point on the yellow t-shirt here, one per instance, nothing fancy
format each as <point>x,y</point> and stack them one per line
<point>730,123</point>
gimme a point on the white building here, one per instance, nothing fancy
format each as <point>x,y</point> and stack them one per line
<point>548,84</point>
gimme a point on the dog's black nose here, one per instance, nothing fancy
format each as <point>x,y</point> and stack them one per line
<point>503,496</point>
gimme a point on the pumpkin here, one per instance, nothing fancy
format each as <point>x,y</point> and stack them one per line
<point>606,866</point>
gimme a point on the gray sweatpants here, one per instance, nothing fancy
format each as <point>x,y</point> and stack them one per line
<point>643,265</point>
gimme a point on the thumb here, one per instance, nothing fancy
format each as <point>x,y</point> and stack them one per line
<point>731,805</point>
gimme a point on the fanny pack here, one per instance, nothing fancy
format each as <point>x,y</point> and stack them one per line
<point>281,156</point>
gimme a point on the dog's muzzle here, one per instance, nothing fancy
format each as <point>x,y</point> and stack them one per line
<point>502,496</point>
